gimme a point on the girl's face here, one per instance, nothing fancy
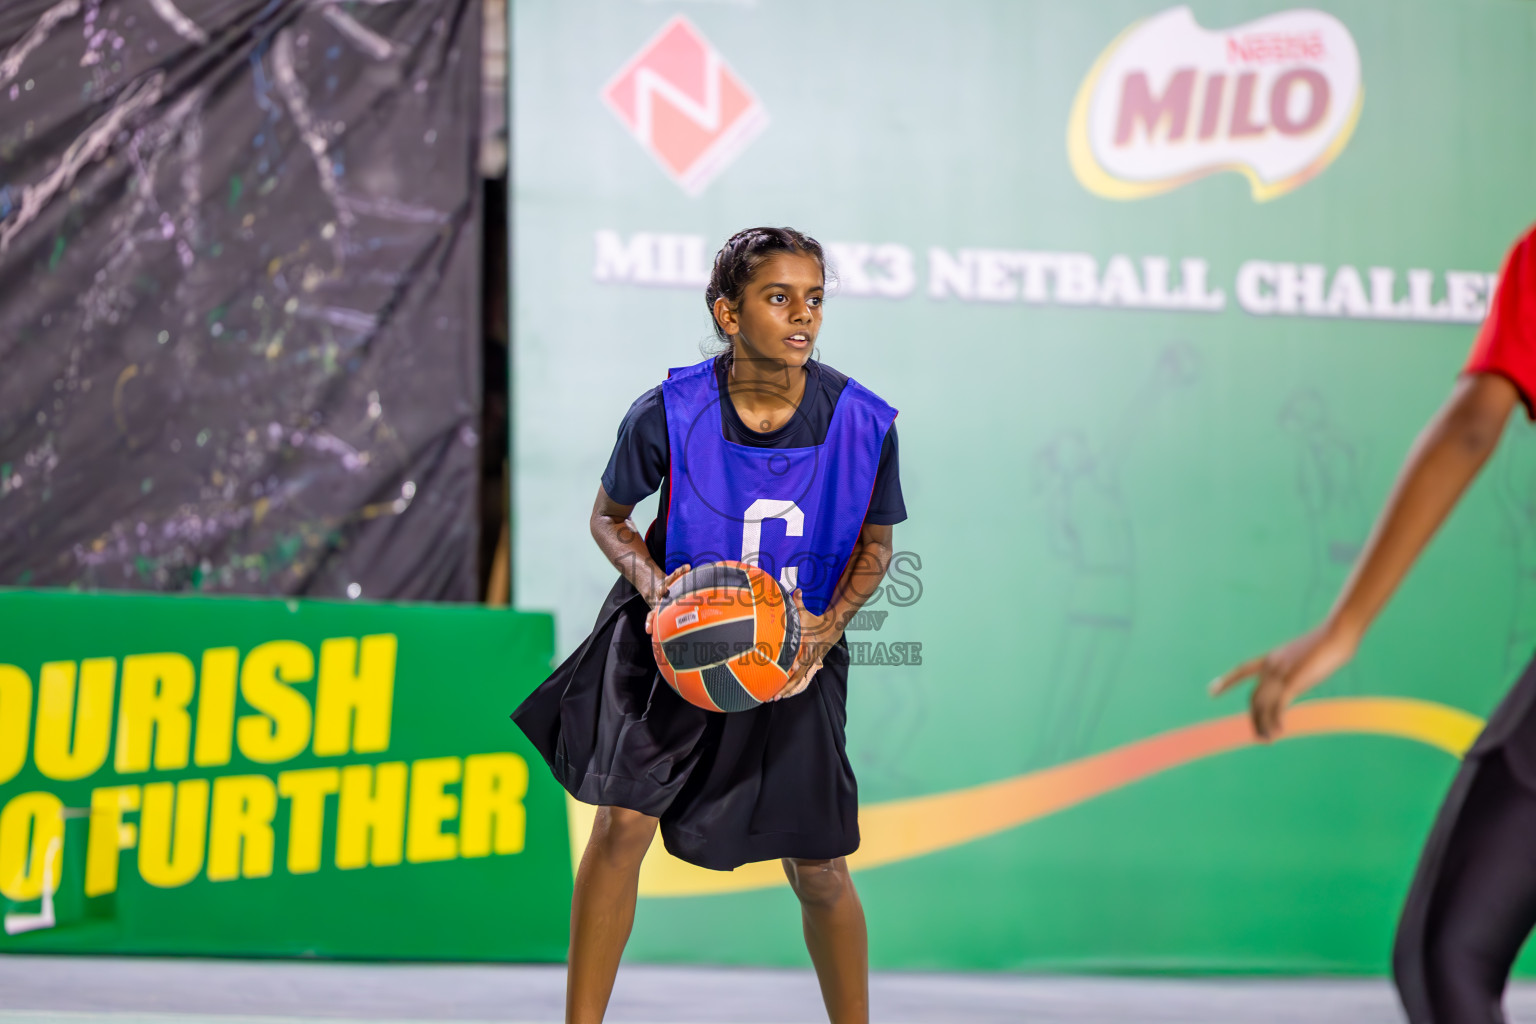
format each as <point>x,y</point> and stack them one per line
<point>779,314</point>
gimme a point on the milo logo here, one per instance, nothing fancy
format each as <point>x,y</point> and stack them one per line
<point>1275,100</point>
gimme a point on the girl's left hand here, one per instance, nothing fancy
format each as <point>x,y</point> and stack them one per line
<point>1287,672</point>
<point>817,635</point>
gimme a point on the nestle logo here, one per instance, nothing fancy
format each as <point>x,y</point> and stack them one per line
<point>1268,47</point>
<point>1169,102</point>
<point>685,105</point>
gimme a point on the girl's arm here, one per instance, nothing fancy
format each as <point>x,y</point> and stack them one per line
<point>625,547</point>
<point>1447,455</point>
<point>860,581</point>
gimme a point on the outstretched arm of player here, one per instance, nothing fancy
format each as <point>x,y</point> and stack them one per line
<point>1444,460</point>
<point>860,581</point>
<point>624,546</point>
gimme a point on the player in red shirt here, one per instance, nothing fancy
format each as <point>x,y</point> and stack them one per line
<point>1473,899</point>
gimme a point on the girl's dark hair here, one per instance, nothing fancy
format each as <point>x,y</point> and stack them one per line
<point>745,251</point>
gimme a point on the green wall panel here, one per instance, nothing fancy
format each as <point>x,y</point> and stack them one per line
<point>463,859</point>
<point>1109,505</point>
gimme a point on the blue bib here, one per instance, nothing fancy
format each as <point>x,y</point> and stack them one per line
<point>794,512</point>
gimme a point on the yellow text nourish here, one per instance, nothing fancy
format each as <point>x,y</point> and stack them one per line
<point>152,713</point>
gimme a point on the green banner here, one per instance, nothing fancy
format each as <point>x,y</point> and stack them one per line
<point>267,777</point>
<point>1163,294</point>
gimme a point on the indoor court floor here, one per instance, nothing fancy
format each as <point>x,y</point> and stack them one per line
<point>97,990</point>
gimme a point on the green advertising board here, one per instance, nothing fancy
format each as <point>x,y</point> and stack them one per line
<point>268,777</point>
<point>1163,294</point>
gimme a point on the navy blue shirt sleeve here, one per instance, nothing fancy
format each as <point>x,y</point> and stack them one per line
<point>886,505</point>
<point>639,460</point>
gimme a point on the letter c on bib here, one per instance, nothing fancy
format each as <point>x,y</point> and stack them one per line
<point>752,533</point>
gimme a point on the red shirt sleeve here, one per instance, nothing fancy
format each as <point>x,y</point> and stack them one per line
<point>1506,345</point>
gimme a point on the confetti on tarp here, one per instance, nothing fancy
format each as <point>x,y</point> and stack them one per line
<point>239,311</point>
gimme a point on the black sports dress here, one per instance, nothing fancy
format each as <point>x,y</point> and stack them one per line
<point>729,789</point>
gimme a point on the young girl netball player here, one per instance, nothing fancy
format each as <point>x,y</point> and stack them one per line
<point>774,781</point>
<point>1473,900</point>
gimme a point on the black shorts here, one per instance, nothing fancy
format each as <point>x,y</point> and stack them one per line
<point>1473,899</point>
<point>729,789</point>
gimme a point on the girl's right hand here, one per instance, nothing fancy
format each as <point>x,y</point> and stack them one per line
<point>1287,672</point>
<point>817,635</point>
<point>666,585</point>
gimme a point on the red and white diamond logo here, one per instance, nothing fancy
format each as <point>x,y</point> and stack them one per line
<point>685,105</point>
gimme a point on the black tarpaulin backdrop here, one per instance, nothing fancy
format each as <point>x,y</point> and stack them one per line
<point>239,296</point>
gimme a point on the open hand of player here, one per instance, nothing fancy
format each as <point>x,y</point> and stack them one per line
<point>661,592</point>
<point>1287,672</point>
<point>817,635</point>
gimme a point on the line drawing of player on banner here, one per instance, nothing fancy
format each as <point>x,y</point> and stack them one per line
<point>1328,486</point>
<point>1515,489</point>
<point>1092,528</point>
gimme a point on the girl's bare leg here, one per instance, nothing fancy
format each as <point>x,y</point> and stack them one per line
<point>603,909</point>
<point>835,935</point>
